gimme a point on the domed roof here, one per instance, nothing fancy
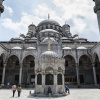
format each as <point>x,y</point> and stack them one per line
<point>66,48</point>
<point>46,22</point>
<point>49,54</point>
<point>16,47</point>
<point>81,47</point>
<point>31,25</point>
<point>31,48</point>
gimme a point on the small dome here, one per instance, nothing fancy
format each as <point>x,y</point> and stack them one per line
<point>31,25</point>
<point>31,48</point>
<point>16,47</point>
<point>28,35</point>
<point>63,38</point>
<point>66,48</point>
<point>49,54</point>
<point>22,35</point>
<point>81,48</point>
<point>34,38</point>
<point>46,22</point>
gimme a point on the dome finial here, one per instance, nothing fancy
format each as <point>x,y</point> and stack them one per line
<point>48,16</point>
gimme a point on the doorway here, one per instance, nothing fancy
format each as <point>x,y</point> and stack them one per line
<point>16,79</point>
<point>81,78</point>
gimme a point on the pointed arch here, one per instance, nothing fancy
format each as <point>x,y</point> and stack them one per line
<point>29,61</point>
<point>13,61</point>
<point>69,61</point>
<point>85,61</point>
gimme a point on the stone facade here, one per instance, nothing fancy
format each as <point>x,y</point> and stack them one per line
<point>49,55</point>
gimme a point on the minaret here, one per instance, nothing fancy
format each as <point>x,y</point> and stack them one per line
<point>1,7</point>
<point>97,10</point>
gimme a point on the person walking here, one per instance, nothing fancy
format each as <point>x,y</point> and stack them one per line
<point>67,89</point>
<point>14,89</point>
<point>19,89</point>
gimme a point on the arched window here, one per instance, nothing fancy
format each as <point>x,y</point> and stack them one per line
<point>49,79</point>
<point>39,79</point>
<point>59,79</point>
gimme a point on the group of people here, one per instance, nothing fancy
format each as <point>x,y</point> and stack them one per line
<point>18,89</point>
<point>66,89</point>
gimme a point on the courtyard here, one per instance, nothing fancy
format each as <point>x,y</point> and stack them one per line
<point>75,94</point>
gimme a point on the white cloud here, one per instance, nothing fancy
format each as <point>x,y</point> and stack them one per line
<point>82,15</point>
<point>9,9</point>
<point>80,12</point>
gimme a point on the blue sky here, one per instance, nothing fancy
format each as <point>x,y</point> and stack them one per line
<point>19,14</point>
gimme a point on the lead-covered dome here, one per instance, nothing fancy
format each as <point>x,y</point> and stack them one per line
<point>49,21</point>
<point>49,54</point>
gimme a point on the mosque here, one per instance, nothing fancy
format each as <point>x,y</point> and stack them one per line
<point>49,55</point>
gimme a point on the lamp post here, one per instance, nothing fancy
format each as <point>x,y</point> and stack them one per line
<point>1,7</point>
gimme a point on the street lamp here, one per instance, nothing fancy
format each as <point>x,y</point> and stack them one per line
<point>1,7</point>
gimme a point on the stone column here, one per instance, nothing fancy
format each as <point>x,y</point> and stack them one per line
<point>3,75</point>
<point>35,83</point>
<point>63,79</point>
<point>55,82</point>
<point>63,82</point>
<point>94,74</point>
<point>43,82</point>
<point>20,74</point>
<point>77,72</point>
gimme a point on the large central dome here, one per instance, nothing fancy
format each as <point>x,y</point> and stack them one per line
<point>46,22</point>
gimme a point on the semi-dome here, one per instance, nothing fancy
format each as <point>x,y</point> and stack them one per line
<point>46,22</point>
<point>49,54</point>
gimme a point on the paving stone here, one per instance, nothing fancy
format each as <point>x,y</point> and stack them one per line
<point>75,94</point>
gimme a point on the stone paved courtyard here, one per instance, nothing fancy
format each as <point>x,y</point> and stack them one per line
<point>75,94</point>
